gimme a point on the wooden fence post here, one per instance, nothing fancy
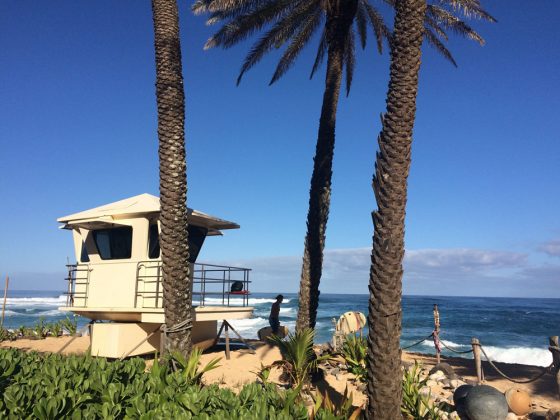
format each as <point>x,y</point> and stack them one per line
<point>477,360</point>
<point>555,349</point>
<point>436,333</point>
<point>4,304</point>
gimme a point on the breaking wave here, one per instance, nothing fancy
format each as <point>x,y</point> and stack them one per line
<point>37,301</point>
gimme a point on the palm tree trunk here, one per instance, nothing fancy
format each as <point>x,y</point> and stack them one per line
<point>320,194</point>
<point>177,286</point>
<point>390,187</point>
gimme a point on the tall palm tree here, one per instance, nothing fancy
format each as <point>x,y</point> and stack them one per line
<point>293,22</point>
<point>390,188</point>
<point>177,287</point>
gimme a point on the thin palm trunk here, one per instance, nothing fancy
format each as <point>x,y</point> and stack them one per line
<point>177,287</point>
<point>337,28</point>
<point>390,187</point>
<point>319,198</point>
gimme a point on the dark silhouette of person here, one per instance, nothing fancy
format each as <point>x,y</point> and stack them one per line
<point>274,318</point>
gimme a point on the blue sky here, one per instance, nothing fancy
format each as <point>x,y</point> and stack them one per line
<point>78,129</point>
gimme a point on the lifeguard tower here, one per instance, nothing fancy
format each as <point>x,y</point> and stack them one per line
<point>117,279</point>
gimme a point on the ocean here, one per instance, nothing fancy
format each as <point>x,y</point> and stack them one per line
<point>512,330</point>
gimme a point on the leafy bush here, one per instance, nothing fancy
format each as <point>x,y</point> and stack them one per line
<point>6,335</point>
<point>40,328</point>
<point>326,409</point>
<point>190,367</point>
<point>416,405</point>
<point>299,360</point>
<point>55,329</point>
<point>354,350</point>
<point>83,387</point>
<point>70,325</point>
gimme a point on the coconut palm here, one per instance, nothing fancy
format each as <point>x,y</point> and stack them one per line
<point>293,23</point>
<point>390,187</point>
<point>177,288</point>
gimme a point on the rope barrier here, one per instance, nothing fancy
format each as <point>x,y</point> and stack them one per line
<point>455,351</point>
<point>415,344</point>
<point>527,381</point>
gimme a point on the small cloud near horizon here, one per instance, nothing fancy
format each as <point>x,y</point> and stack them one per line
<point>551,248</point>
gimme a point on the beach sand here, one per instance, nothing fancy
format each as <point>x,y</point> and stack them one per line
<point>243,365</point>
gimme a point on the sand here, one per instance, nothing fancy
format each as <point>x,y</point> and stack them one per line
<point>243,366</point>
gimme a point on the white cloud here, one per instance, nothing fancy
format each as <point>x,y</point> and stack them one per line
<point>551,248</point>
<point>427,271</point>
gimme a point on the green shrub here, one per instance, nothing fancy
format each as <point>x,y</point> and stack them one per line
<point>36,386</point>
<point>416,405</point>
<point>70,325</point>
<point>7,335</point>
<point>299,360</point>
<point>40,328</point>
<point>354,350</point>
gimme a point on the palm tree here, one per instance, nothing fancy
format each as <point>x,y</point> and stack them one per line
<point>294,22</point>
<point>177,287</point>
<point>390,188</point>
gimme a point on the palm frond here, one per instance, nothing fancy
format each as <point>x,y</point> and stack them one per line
<point>244,25</point>
<point>231,6</point>
<point>299,41</point>
<point>321,50</point>
<point>449,21</point>
<point>434,41</point>
<point>349,59</point>
<point>282,31</point>
<point>469,8</point>
<point>361,24</point>
<point>379,28</point>
<point>430,23</point>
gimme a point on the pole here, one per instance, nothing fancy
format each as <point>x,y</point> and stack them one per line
<point>4,304</point>
<point>436,333</point>
<point>555,349</point>
<point>477,359</point>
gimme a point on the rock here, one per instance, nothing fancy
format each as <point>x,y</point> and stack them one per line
<point>425,390</point>
<point>545,415</point>
<point>456,383</point>
<point>454,416</point>
<point>460,395</point>
<point>437,376</point>
<point>511,416</point>
<point>431,383</point>
<point>266,332</point>
<point>335,371</point>
<point>446,383</point>
<point>518,401</point>
<point>445,368</point>
<point>484,402</point>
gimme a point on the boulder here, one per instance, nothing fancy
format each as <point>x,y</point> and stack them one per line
<point>484,402</point>
<point>266,332</point>
<point>445,368</point>
<point>519,401</point>
<point>437,376</point>
<point>460,395</point>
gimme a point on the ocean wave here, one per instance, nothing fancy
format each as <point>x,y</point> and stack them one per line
<point>454,346</point>
<point>27,314</point>
<point>249,327</point>
<point>524,355</point>
<point>37,301</point>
